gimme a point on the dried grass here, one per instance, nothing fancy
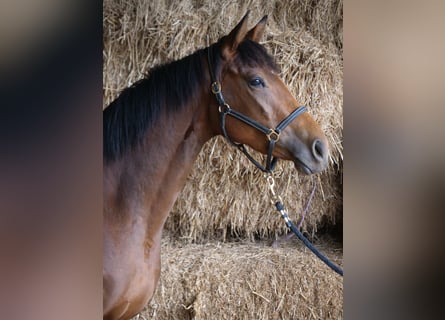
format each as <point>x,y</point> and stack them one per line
<point>225,193</point>
<point>245,281</point>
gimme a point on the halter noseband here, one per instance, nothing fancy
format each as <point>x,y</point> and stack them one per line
<point>273,135</point>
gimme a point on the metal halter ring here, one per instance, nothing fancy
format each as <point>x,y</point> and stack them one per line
<point>216,87</point>
<point>224,108</point>
<point>273,135</point>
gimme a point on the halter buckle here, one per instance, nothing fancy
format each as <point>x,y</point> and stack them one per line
<point>273,135</point>
<point>216,87</point>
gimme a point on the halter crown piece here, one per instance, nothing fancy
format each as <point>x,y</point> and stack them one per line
<point>273,135</point>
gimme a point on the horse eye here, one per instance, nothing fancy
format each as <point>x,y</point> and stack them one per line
<point>256,82</point>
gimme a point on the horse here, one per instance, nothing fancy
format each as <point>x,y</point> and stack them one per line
<point>154,130</point>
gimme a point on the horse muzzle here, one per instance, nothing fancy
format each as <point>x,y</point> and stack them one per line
<point>312,158</point>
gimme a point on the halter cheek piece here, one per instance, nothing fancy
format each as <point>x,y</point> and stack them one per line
<point>273,135</point>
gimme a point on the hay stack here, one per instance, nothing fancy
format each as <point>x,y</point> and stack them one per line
<point>245,281</point>
<point>225,194</point>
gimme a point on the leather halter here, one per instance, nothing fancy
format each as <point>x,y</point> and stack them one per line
<point>273,135</point>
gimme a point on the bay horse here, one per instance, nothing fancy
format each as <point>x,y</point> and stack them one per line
<point>154,131</point>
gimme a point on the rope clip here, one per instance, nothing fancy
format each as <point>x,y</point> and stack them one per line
<point>271,184</point>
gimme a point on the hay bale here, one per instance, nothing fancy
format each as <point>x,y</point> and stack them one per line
<point>245,281</point>
<point>232,200</point>
<point>225,194</point>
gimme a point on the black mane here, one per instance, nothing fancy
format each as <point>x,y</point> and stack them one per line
<point>137,108</point>
<point>126,119</point>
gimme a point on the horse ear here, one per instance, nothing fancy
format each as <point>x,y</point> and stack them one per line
<point>256,32</point>
<point>234,38</point>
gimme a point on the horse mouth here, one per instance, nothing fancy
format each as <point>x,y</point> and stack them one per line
<point>302,167</point>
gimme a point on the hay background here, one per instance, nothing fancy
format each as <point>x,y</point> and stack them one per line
<point>205,275</point>
<point>246,281</point>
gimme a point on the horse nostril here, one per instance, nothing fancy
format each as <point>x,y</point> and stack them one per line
<point>318,149</point>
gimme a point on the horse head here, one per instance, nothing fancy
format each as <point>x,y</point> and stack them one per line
<point>251,85</point>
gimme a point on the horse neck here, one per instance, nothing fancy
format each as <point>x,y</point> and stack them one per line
<point>145,183</point>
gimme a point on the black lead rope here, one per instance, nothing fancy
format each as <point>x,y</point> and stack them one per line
<point>276,200</point>
<point>308,244</point>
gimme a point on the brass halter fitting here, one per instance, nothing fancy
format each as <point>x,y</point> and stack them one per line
<point>273,135</point>
<point>224,108</point>
<point>216,87</point>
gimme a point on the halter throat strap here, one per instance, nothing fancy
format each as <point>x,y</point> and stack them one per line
<point>273,135</point>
